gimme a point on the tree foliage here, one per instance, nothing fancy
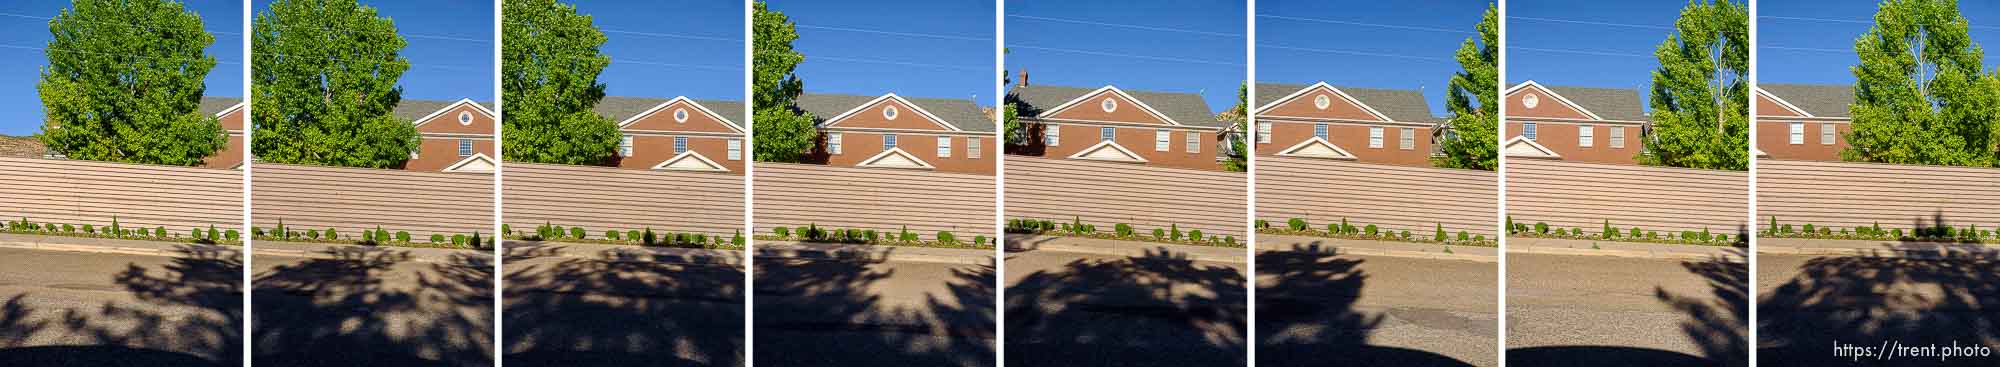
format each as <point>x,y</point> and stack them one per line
<point>323,85</point>
<point>1236,159</point>
<point>124,84</point>
<point>549,70</point>
<point>1474,100</point>
<point>1701,93</point>
<point>781,132</point>
<point>1919,95</point>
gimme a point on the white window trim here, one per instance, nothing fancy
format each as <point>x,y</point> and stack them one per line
<point>1193,141</point>
<point>1408,139</point>
<point>1163,140</point>
<point>625,147</point>
<point>833,143</point>
<point>972,148</point>
<point>1101,136</point>
<point>465,117</point>
<point>1618,137</point>
<point>1322,131</point>
<point>1375,137</point>
<point>680,144</point>
<point>1531,131</point>
<point>735,149</point>
<point>1586,136</point>
<point>1109,104</point>
<point>1798,132</point>
<point>1051,135</point>
<point>889,141</point>
<point>680,115</point>
<point>890,112</point>
<point>944,147</point>
<point>1826,134</point>
<point>465,147</point>
<point>1263,132</point>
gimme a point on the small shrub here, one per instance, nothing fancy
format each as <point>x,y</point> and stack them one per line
<point>1636,233</point>
<point>1371,230</point>
<point>213,233</point>
<point>647,236</point>
<point>945,237</point>
<point>254,231</point>
<point>1194,235</point>
<point>402,236</point>
<point>1229,239</point>
<point>1722,238</point>
<point>68,228</point>
<point>1297,224</point>
<point>1346,228</point>
<point>1542,228</point>
<point>232,235</point>
<point>1608,232</point>
<point>1479,238</point>
<point>1334,229</point>
<point>1124,230</point>
<point>1463,236</point>
<point>312,233</point>
<point>504,229</point>
<point>1439,237</point>
<point>611,235</point>
<point>1510,224</point>
<point>738,239</point>
<point>872,235</point>
<point>632,235</point>
<point>437,238</point>
<point>331,235</point>
<point>158,231</point>
<point>1787,229</point>
<point>1262,224</point>
<point>1174,232</point>
<point>1809,229</point>
<point>908,236</point>
<point>979,240</point>
<point>1406,235</point>
<point>458,240</point>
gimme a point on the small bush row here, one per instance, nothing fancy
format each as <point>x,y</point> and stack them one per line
<point>1172,233</point>
<point>1609,232</point>
<point>814,233</point>
<point>1344,229</point>
<point>549,231</point>
<point>375,236</point>
<point>210,235</point>
<point>1874,231</point>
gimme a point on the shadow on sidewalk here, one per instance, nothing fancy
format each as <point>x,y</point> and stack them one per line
<point>356,309</point>
<point>114,334</point>
<point>1159,309</point>
<point>585,312</point>
<point>1307,317</point>
<point>834,313</point>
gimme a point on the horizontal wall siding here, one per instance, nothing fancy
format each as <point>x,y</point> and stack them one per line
<point>1845,195</point>
<point>351,199</point>
<point>1584,195</point>
<point>1417,199</point>
<point>794,195</point>
<point>1105,194</point>
<point>606,198</point>
<point>87,192</point>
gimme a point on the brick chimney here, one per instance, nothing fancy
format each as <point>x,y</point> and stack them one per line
<point>1024,77</point>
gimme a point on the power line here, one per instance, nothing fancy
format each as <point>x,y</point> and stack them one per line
<point>1833,50</point>
<point>690,66</point>
<point>652,34</point>
<point>1856,21</point>
<point>1356,53</point>
<point>891,33</point>
<point>1579,52</point>
<point>889,62</point>
<point>429,66</point>
<point>1609,24</point>
<point>1127,26</point>
<point>405,35</point>
<point>1378,25</point>
<point>17,15</point>
<point>110,54</point>
<point>1113,54</point>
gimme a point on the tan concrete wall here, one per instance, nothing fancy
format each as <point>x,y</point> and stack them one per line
<point>605,198</point>
<point>86,192</point>
<point>351,199</point>
<point>794,195</point>
<point>1583,195</point>
<point>1146,197</point>
<point>1845,195</point>
<point>1417,199</point>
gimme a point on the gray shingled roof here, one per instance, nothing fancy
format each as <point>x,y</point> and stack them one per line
<point>620,108</point>
<point>413,109</point>
<point>1187,108</point>
<point>1823,100</point>
<point>959,112</point>
<point>21,147</point>
<point>1609,103</point>
<point>1399,104</point>
<point>214,105</point>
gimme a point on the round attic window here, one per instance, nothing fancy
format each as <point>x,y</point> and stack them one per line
<point>680,115</point>
<point>1322,101</point>
<point>464,117</point>
<point>1109,105</point>
<point>1531,101</point>
<point>889,112</point>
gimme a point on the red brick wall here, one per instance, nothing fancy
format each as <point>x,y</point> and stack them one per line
<point>650,150</point>
<point>1561,137</point>
<point>859,146</point>
<point>1774,138</point>
<point>1353,138</point>
<point>1077,137</point>
<point>437,153</point>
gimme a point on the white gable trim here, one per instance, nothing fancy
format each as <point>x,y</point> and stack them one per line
<point>836,120</point>
<point>1529,149</point>
<point>1121,93</point>
<point>1087,153</point>
<point>1551,93</point>
<point>1759,153</point>
<point>875,161</point>
<point>1296,149</point>
<point>1336,91</point>
<point>668,165</point>
<point>232,108</point>
<point>1782,102</point>
<point>441,111</point>
<point>697,106</point>
<point>464,165</point>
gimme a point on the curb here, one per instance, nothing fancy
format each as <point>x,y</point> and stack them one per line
<point>137,247</point>
<point>615,253</point>
<point>1334,246</point>
<point>341,252</point>
<point>1905,253</point>
<point>1646,254</point>
<point>872,253</point>
<point>1232,255</point>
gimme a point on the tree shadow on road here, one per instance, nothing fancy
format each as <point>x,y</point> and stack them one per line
<point>1867,300</point>
<point>207,279</point>
<point>344,311</point>
<point>604,312</point>
<point>1307,316</point>
<point>828,313</point>
<point>1159,309</point>
<point>1717,324</point>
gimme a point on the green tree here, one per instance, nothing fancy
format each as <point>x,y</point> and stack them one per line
<point>118,92</point>
<point>782,132</point>
<point>1471,141</point>
<point>1919,96</point>
<point>548,78</point>
<point>1700,95</point>
<point>323,84</point>
<point>1236,159</point>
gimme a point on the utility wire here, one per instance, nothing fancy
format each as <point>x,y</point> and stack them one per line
<point>892,33</point>
<point>111,54</point>
<point>1833,50</point>
<point>18,15</point>
<point>1609,24</point>
<point>1856,21</point>
<point>1114,54</point>
<point>1378,25</point>
<point>1579,52</point>
<point>890,62</point>
<point>1355,53</point>
<point>1126,26</point>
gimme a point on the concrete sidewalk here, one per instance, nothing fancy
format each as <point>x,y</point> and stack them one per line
<point>1097,246</point>
<point>871,253</point>
<point>1915,250</point>
<point>532,249</point>
<point>1341,246</point>
<point>348,251</point>
<point>1553,246</point>
<point>106,245</point>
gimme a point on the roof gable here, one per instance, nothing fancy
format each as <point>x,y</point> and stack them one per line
<point>1108,151</point>
<point>895,158</point>
<point>480,121</point>
<point>478,163</point>
<point>1036,101</point>
<point>1769,105</point>
<point>1522,147</point>
<point>1817,100</point>
<point>1305,102</point>
<point>680,114</point>
<point>1109,104</point>
<point>1531,99</point>
<point>690,161</point>
<point>885,111</point>
<point>1316,148</point>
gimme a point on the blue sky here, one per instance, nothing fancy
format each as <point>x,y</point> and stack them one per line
<point>24,31</point>
<point>915,48</point>
<point>1813,41</point>
<point>449,45</point>
<point>1372,44</point>
<point>669,49</point>
<point>1177,46</point>
<point>1590,43</point>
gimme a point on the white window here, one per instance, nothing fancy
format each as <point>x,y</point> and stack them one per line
<point>680,144</point>
<point>735,149</point>
<point>1586,135</point>
<point>1193,142</point>
<point>1263,132</point>
<point>464,117</point>
<point>1825,133</point>
<point>680,115</point>
<point>944,147</point>
<point>1528,128</point>
<point>889,112</point>
<point>1798,133</point>
<point>888,141</point>
<point>972,148</point>
<point>1162,140</point>
<point>625,146</point>
<point>1051,135</point>
<point>1107,133</point>
<point>833,143</point>
<point>1109,105</point>
<point>1408,141</point>
<point>1375,137</point>
<point>1618,137</point>
<point>464,147</point>
<point>1322,101</point>
<point>1319,130</point>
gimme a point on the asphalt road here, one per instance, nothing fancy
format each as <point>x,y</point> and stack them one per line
<point>371,310</point>
<point>851,313</point>
<point>1601,310</point>
<point>1315,309</point>
<point>582,312</point>
<point>1070,309</point>
<point>87,309</point>
<point>1807,304</point>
